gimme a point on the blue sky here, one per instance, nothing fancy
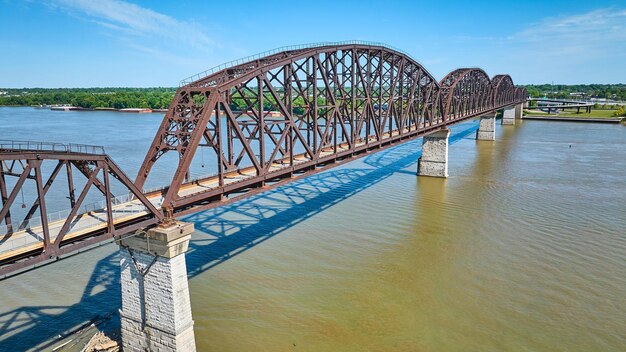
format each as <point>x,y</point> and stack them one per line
<point>84,43</point>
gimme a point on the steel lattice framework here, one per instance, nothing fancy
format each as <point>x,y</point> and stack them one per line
<point>332,102</point>
<point>61,237</point>
<point>268,120</point>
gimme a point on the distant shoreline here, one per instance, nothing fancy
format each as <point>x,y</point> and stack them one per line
<point>76,108</point>
<point>125,110</point>
<point>574,119</point>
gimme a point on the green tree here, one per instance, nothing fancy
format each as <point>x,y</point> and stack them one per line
<point>621,111</point>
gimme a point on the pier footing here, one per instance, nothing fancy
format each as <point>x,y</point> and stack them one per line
<point>434,159</point>
<point>156,309</point>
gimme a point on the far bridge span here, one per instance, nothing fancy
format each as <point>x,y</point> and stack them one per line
<point>549,105</point>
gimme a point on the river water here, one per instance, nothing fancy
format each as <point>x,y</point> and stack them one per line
<point>522,248</point>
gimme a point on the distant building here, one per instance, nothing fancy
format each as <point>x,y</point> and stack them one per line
<point>4,93</point>
<point>577,95</point>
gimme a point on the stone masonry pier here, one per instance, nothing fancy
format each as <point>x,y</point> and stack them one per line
<point>156,309</point>
<point>434,159</point>
<point>487,128</point>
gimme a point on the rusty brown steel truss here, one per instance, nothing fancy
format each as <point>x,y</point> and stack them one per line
<point>97,170</point>
<point>286,115</point>
<point>331,102</point>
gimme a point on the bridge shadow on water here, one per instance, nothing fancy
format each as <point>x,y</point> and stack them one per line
<point>243,225</point>
<point>229,230</point>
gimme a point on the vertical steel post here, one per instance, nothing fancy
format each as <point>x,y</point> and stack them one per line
<point>5,199</point>
<point>314,113</point>
<point>42,203</point>
<point>218,137</point>
<point>261,124</point>
<point>107,197</point>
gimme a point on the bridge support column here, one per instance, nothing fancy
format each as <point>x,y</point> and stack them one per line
<point>156,309</point>
<point>519,111</point>
<point>508,117</point>
<point>487,128</point>
<point>434,159</point>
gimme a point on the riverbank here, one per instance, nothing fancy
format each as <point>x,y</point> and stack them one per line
<point>76,108</point>
<point>573,119</point>
<point>250,113</point>
<point>100,334</point>
<point>595,113</point>
<point>90,98</point>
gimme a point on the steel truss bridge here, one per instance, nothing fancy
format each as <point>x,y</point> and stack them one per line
<point>265,121</point>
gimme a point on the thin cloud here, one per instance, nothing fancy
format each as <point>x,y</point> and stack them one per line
<point>594,25</point>
<point>592,34</point>
<point>183,61</point>
<point>598,29</point>
<point>137,21</point>
<point>562,41</point>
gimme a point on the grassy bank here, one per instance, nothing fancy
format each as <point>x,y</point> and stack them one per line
<point>594,114</point>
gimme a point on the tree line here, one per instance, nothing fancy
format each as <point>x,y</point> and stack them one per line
<point>117,98</point>
<point>160,98</point>
<point>559,91</point>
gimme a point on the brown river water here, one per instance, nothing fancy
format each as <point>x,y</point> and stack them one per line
<point>522,248</point>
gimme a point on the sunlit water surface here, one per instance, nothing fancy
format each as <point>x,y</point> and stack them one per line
<point>522,248</point>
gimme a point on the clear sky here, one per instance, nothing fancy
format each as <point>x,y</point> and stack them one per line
<point>98,43</point>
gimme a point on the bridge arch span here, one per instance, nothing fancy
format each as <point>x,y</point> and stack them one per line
<point>503,89</point>
<point>323,95</point>
<point>464,91</point>
<point>303,102</point>
<point>520,93</point>
<point>228,77</point>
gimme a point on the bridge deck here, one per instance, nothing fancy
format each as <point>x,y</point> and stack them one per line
<point>31,239</point>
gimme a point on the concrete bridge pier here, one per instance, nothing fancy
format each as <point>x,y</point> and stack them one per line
<point>156,309</point>
<point>434,159</point>
<point>508,116</point>
<point>487,128</point>
<point>519,111</point>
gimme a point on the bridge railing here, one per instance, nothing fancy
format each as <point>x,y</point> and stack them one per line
<point>90,215</point>
<point>253,57</point>
<point>51,146</point>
